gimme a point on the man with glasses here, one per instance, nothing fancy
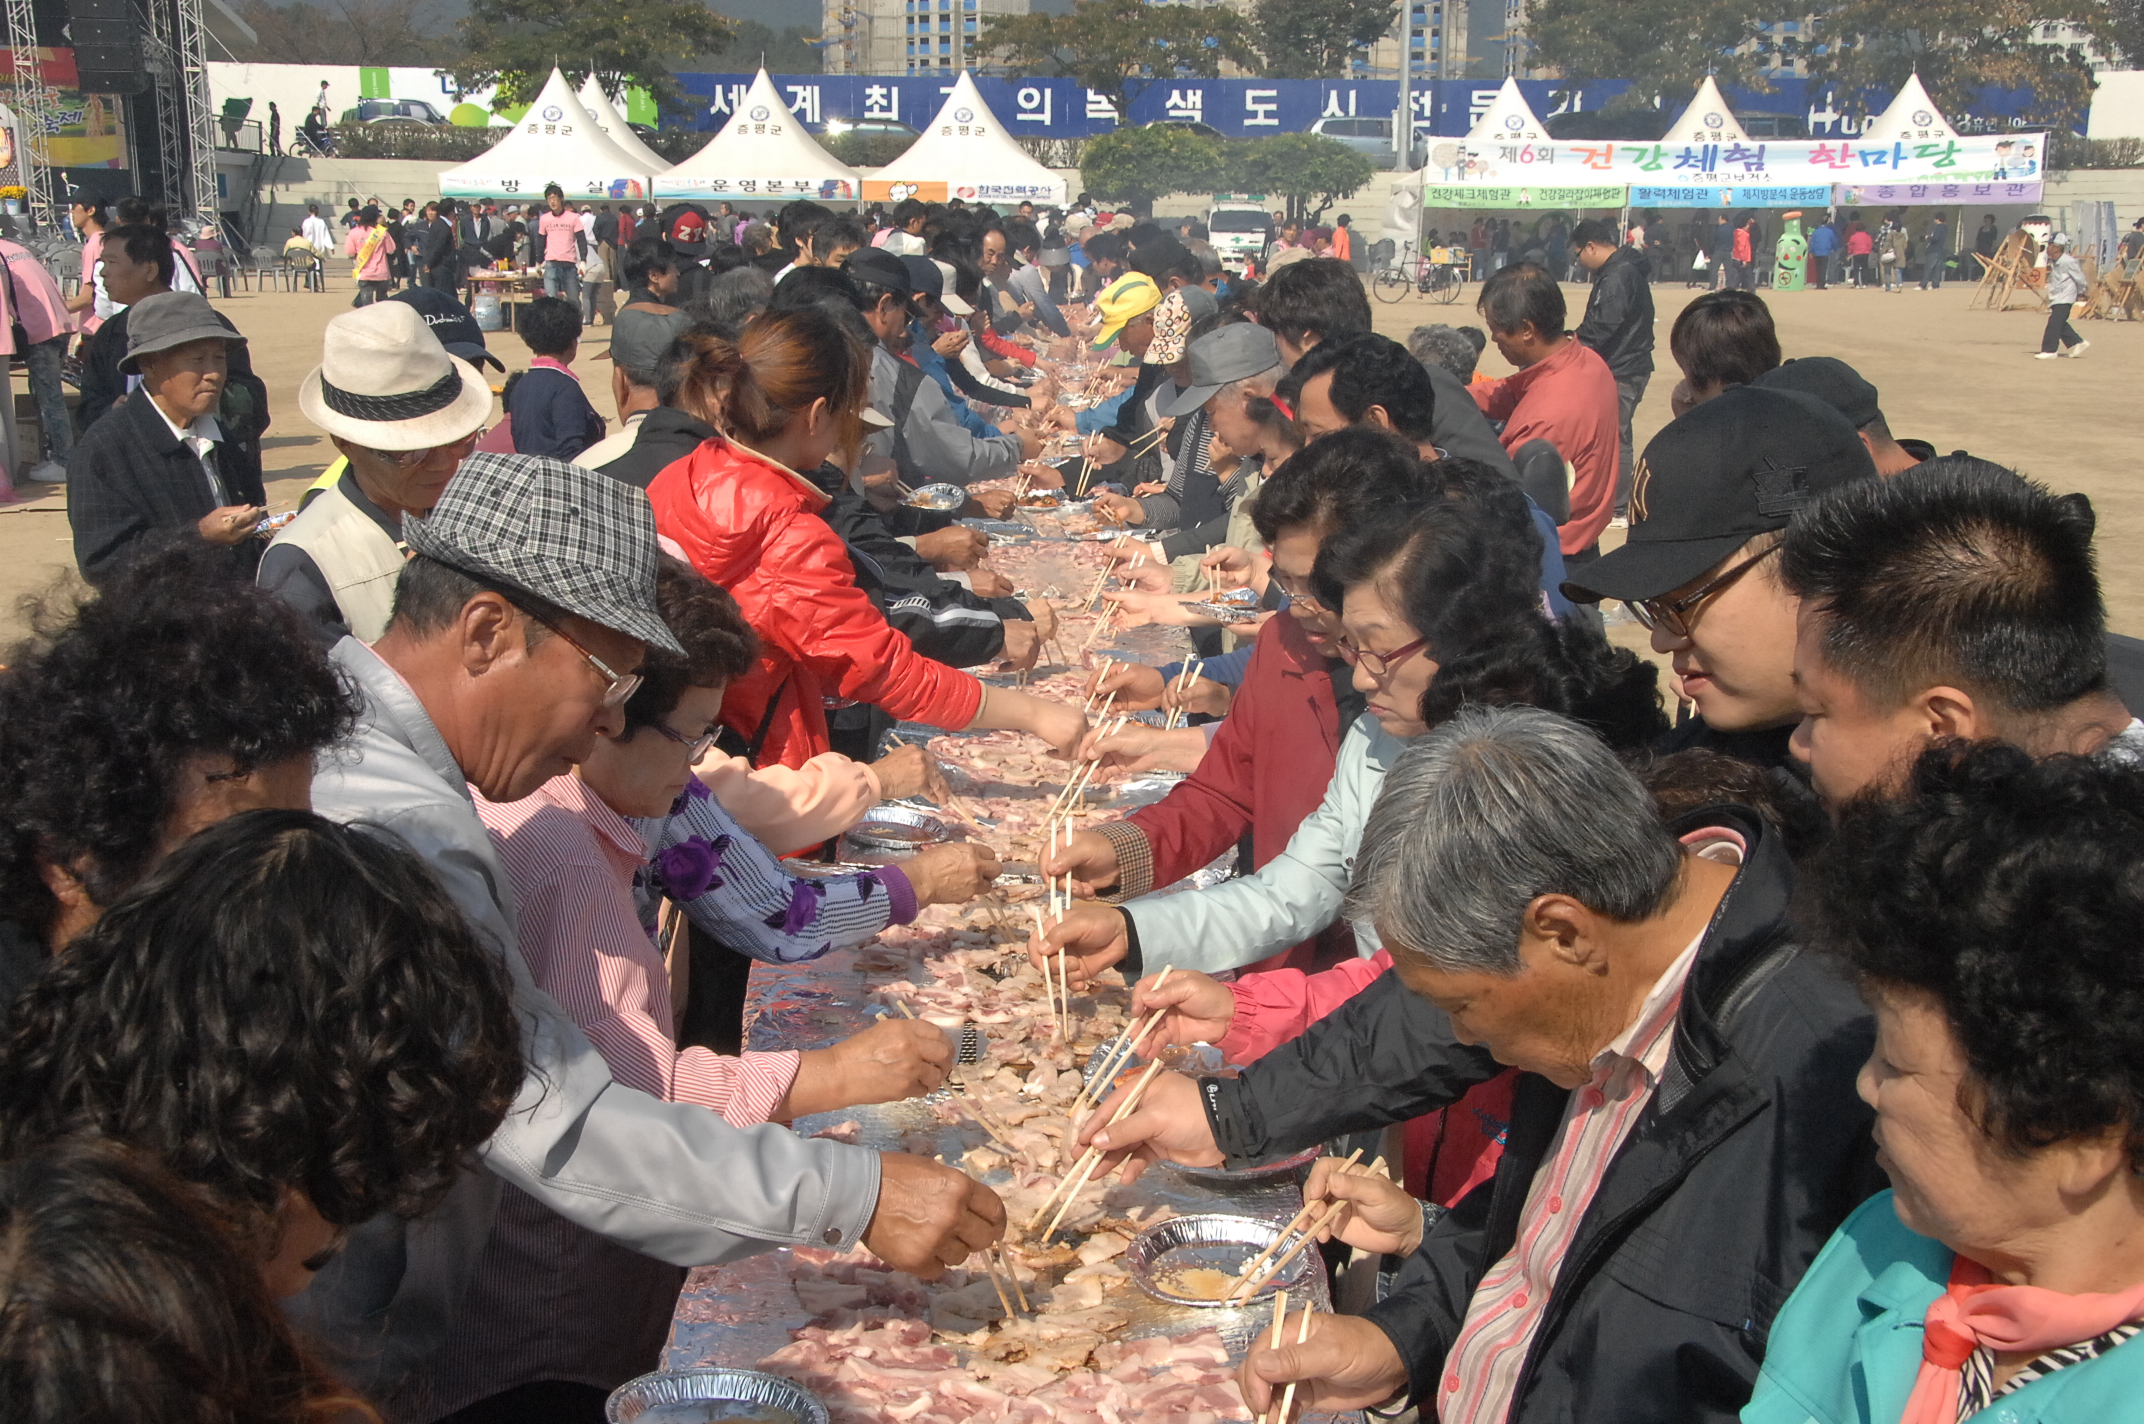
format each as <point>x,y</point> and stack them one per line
<point>1713,494</point>
<point>404,412</point>
<point>518,628</point>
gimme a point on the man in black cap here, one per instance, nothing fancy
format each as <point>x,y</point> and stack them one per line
<point>1841,387</point>
<point>451,322</point>
<point>1713,493</point>
<point>928,444</point>
<point>159,464</point>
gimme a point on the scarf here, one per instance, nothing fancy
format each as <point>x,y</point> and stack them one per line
<point>374,236</point>
<point>1974,1312</point>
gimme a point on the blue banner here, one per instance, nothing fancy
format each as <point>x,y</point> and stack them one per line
<point>1248,108</point>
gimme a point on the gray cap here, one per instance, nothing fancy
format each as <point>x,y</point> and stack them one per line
<point>171,319</point>
<point>572,537</point>
<point>1232,353</point>
<point>638,337</point>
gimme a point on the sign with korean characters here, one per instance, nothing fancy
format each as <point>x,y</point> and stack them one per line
<point>1490,195</point>
<point>1909,195</point>
<point>1775,195</point>
<point>825,190</point>
<point>1752,163</point>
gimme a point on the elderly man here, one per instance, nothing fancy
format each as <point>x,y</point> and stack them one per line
<point>404,413</point>
<point>526,606</point>
<point>1685,1134</point>
<point>640,341</point>
<point>1011,264</point>
<point>160,462</point>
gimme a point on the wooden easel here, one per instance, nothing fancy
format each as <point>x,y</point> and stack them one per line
<point>2008,272</point>
<point>2117,293</point>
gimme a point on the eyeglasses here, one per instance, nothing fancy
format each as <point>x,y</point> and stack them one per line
<point>410,459</point>
<point>695,747</point>
<point>1379,664</point>
<point>1674,616</point>
<point>1299,594</point>
<point>622,684</point>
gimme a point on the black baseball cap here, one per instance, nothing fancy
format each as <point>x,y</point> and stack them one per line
<point>450,322</point>
<point>1738,466</point>
<point>1831,381</point>
<point>880,268</point>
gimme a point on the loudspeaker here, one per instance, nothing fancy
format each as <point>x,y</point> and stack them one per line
<point>109,39</point>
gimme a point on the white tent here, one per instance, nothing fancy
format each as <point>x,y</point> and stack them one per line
<point>554,142</point>
<point>762,154</point>
<point>1706,120</point>
<point>966,153</point>
<point>609,119</point>
<point>1911,115</point>
<point>1508,119</point>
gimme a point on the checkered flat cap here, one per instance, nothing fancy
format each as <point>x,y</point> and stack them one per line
<point>572,537</point>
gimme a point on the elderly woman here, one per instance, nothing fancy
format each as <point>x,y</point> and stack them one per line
<point>1993,923</point>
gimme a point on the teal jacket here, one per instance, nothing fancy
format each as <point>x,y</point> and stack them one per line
<point>1847,1344</point>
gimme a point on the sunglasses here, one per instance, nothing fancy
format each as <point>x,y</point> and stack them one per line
<point>1674,616</point>
<point>1379,664</point>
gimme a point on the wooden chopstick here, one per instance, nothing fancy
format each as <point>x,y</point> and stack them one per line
<point>1093,1157</point>
<point>1302,1335</point>
<point>1309,1235</point>
<point>1121,1051</point>
<point>1294,1225</point>
<point>1280,1313</point>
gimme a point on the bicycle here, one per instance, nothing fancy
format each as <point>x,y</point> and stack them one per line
<point>1438,274</point>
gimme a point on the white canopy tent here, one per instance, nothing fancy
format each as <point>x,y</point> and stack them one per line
<point>609,119</point>
<point>554,142</point>
<point>1910,116</point>
<point>762,154</point>
<point>966,153</point>
<point>1706,120</point>
<point>1508,119</point>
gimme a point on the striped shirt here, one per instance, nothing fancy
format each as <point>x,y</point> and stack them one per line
<point>1508,1306</point>
<point>1977,1388</point>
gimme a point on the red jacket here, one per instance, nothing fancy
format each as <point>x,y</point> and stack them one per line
<point>1283,717</point>
<point>1569,400</point>
<point>998,346</point>
<point>753,527</point>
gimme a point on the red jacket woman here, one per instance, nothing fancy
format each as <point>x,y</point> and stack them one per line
<point>790,394</point>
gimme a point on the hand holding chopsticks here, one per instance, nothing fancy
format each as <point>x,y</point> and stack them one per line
<point>1308,1225</point>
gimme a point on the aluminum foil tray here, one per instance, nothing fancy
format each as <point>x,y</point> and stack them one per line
<point>712,1396</point>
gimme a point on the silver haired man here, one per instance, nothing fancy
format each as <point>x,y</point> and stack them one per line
<point>1684,1133</point>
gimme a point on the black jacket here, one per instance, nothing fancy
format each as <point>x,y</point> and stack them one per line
<point>1752,1151</point>
<point>1618,325</point>
<point>243,414</point>
<point>131,479</point>
<point>1459,429</point>
<point>666,437</point>
<point>438,244</point>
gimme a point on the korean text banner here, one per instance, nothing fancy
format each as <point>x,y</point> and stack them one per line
<point>1752,163</point>
<point>1644,195</point>
<point>1485,195</point>
<point>1908,195</point>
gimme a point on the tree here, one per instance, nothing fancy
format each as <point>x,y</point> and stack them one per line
<point>1299,167</point>
<point>1959,47</point>
<point>361,32</point>
<point>1118,47</point>
<point>519,42</point>
<point>1313,39</point>
<point>2124,30</point>
<point>1138,165</point>
<point>1665,48</point>
<point>785,51</point>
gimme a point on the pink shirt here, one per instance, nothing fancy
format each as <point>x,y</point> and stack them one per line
<point>375,268</point>
<point>36,300</point>
<point>559,231</point>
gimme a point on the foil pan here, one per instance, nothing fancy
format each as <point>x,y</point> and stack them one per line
<point>1294,1163</point>
<point>891,828</point>
<point>708,1396</point>
<point>942,498</point>
<point>1213,1242</point>
<point>1223,612</point>
<point>1000,528</point>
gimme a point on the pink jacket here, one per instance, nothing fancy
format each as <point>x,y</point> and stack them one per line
<point>375,269</point>
<point>788,809</point>
<point>32,298</point>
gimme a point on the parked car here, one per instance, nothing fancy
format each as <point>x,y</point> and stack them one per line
<point>1372,137</point>
<point>393,111</point>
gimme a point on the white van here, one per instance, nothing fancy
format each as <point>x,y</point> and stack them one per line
<point>1238,225</point>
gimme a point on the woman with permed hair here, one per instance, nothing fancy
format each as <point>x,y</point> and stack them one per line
<point>1991,914</point>
<point>132,718</point>
<point>292,1017</point>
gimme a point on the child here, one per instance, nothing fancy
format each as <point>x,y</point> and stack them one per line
<point>549,412</point>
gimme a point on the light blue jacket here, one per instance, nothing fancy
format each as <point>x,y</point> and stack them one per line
<point>1847,1344</point>
<point>670,1180</point>
<point>1292,896</point>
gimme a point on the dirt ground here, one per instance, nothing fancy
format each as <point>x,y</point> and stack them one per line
<point>1959,378</point>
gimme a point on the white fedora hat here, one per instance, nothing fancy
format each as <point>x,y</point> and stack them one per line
<point>385,382</point>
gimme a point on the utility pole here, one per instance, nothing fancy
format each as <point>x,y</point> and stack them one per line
<point>1404,129</point>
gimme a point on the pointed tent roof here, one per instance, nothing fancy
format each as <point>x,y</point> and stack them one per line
<point>554,142</point>
<point>1509,118</point>
<point>1706,120</point>
<point>965,152</point>
<point>615,128</point>
<point>1911,114</point>
<point>763,152</point>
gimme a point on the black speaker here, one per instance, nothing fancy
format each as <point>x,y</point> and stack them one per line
<point>109,38</point>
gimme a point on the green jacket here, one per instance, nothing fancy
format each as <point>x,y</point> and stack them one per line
<point>1847,1344</point>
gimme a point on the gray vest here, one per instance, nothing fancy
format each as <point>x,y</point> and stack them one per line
<point>356,557</point>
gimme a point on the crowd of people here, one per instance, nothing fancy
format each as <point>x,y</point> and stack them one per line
<point>1757,1024</point>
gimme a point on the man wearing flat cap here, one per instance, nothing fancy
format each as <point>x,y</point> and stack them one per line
<point>404,412</point>
<point>160,464</point>
<point>518,629</point>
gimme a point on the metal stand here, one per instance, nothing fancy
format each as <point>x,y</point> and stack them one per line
<point>186,125</point>
<point>33,110</point>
